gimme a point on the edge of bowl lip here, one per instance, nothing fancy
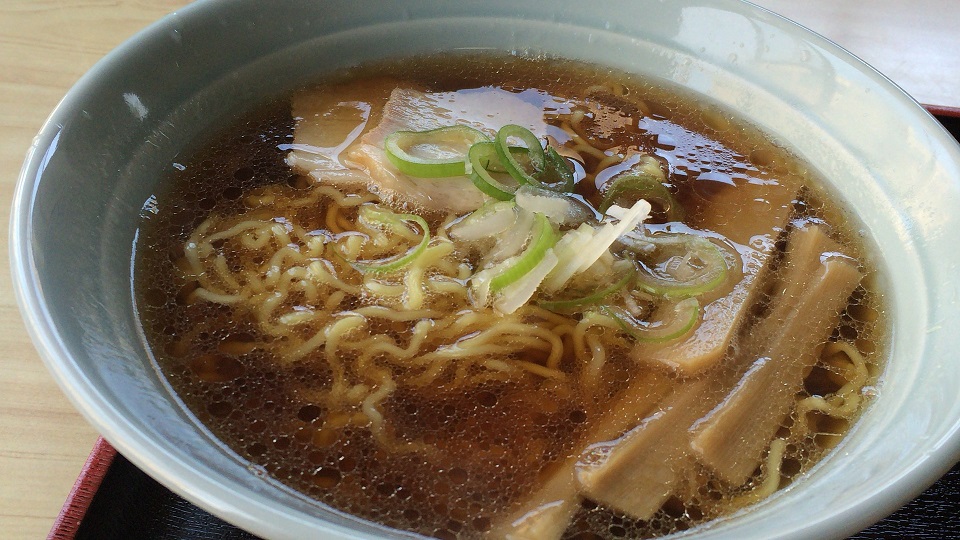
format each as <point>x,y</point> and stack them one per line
<point>215,497</point>
<point>853,59</point>
<point>944,453</point>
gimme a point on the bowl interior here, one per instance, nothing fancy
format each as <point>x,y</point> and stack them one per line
<point>116,136</point>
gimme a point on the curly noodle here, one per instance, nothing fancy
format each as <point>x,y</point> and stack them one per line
<point>375,331</point>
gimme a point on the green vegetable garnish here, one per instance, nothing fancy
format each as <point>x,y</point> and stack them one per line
<point>377,215</point>
<point>671,321</point>
<point>449,146</point>
<point>681,265</point>
<point>557,176</point>
<point>593,298</point>
<point>642,186</point>
<point>481,156</point>
<point>542,239</point>
<point>535,154</point>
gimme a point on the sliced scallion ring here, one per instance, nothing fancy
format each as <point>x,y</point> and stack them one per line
<point>481,156</point>
<point>593,298</point>
<point>491,219</point>
<point>643,186</point>
<point>376,217</point>
<point>670,322</point>
<point>535,153</point>
<point>519,153</point>
<point>391,220</point>
<point>449,145</point>
<point>557,174</point>
<point>685,265</point>
<point>542,239</point>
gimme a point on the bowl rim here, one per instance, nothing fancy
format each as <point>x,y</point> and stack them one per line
<point>188,481</point>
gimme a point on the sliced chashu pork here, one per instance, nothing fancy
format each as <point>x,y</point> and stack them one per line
<point>327,125</point>
<point>329,150</point>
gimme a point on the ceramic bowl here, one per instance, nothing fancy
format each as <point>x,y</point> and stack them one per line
<point>110,143</point>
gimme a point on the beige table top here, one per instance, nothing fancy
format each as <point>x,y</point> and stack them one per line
<point>45,45</point>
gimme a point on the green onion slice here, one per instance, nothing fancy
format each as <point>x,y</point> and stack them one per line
<point>541,240</point>
<point>389,219</point>
<point>483,157</point>
<point>448,146</point>
<point>492,218</point>
<point>670,322</point>
<point>519,153</point>
<point>593,298</point>
<point>680,266</point>
<point>376,217</point>
<point>535,153</point>
<point>557,174</point>
<point>643,186</point>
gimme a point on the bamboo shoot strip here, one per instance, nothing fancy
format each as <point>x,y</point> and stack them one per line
<point>638,472</point>
<point>731,439</point>
<point>546,513</point>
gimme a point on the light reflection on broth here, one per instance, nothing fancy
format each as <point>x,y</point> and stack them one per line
<point>280,304</point>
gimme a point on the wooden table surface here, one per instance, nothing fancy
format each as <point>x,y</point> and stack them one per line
<point>45,45</point>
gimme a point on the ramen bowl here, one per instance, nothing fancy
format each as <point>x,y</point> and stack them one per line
<point>113,140</point>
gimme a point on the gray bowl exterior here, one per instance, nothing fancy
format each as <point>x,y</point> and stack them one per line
<point>116,135</point>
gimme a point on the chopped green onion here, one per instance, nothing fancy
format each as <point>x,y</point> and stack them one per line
<point>535,153</point>
<point>560,208</point>
<point>643,186</point>
<point>688,265</point>
<point>520,153</point>
<point>592,298</point>
<point>386,217</point>
<point>492,218</point>
<point>449,144</point>
<point>672,321</point>
<point>569,248</point>
<point>515,295</point>
<point>376,217</point>
<point>557,175</point>
<point>580,248</point>
<point>481,156</point>
<point>513,241</point>
<point>543,239</point>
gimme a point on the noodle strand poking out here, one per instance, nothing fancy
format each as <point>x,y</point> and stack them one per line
<point>437,362</point>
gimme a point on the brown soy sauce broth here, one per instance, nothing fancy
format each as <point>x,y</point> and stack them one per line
<point>497,439</point>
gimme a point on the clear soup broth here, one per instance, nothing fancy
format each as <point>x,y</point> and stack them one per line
<point>536,352</point>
